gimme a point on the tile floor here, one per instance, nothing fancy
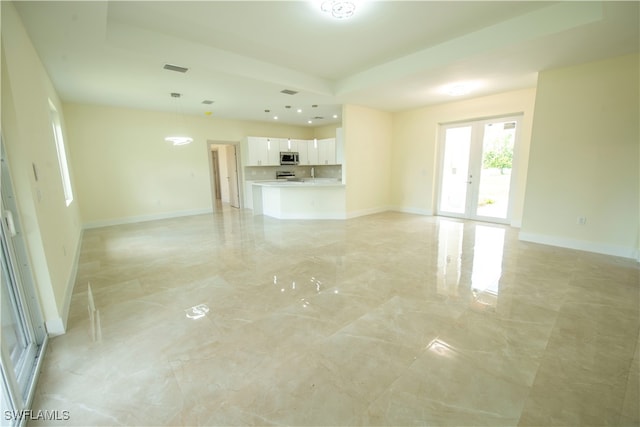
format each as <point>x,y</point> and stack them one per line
<point>389,319</point>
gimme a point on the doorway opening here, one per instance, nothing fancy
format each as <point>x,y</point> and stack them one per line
<point>224,167</point>
<point>476,164</point>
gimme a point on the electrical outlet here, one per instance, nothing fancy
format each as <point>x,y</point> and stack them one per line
<point>582,220</point>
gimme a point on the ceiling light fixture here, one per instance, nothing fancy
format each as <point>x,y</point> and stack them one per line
<point>339,9</point>
<point>179,139</point>
<point>460,88</point>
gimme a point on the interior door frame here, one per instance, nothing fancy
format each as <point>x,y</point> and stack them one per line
<point>210,147</point>
<point>20,385</point>
<point>475,166</point>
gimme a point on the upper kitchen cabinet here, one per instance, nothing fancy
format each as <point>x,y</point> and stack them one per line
<point>311,153</point>
<point>263,151</point>
<point>327,151</point>
<point>287,144</point>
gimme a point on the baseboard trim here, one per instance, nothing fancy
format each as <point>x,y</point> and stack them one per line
<point>71,283</point>
<point>144,218</point>
<point>365,212</point>
<point>415,211</point>
<point>581,245</point>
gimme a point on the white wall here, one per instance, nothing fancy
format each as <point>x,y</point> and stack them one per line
<point>584,158</point>
<point>367,154</point>
<point>415,147</point>
<point>51,228</point>
<point>125,171</point>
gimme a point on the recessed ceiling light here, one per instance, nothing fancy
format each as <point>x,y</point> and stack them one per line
<point>335,116</point>
<point>309,121</point>
<point>299,110</point>
<point>275,117</point>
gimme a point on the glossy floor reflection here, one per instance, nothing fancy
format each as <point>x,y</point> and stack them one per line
<point>389,319</point>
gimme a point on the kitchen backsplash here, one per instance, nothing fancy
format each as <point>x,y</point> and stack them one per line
<point>260,173</point>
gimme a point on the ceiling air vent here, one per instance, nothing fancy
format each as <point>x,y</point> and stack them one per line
<point>207,101</point>
<point>177,68</point>
<point>318,118</point>
<point>288,92</point>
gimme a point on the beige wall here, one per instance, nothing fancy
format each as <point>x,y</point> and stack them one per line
<point>367,155</point>
<point>584,158</point>
<point>51,229</point>
<point>327,131</point>
<point>415,147</point>
<point>125,171</point>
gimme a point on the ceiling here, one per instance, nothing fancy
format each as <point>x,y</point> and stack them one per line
<point>391,55</point>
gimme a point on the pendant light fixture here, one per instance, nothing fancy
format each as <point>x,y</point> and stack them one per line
<point>179,139</point>
<point>339,9</point>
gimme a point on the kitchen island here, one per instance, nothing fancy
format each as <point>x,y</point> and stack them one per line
<point>319,198</point>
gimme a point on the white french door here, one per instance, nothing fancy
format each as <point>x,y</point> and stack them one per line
<point>476,164</point>
<point>23,334</point>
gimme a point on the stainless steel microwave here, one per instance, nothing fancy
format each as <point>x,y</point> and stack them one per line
<point>289,158</point>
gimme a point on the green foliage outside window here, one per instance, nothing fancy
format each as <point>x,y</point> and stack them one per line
<point>500,156</point>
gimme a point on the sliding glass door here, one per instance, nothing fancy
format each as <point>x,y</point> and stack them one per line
<point>475,169</point>
<point>23,334</point>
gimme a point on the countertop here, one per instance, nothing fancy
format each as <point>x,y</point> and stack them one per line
<point>307,182</point>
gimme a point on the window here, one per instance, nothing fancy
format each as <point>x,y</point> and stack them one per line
<point>62,154</point>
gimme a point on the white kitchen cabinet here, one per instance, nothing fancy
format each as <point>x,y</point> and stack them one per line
<point>308,152</point>
<point>289,145</point>
<point>327,151</point>
<point>263,151</point>
<point>312,152</point>
<point>303,151</point>
<point>248,194</point>
<point>257,151</point>
<point>273,153</point>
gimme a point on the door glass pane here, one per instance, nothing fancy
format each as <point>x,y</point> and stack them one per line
<point>14,337</point>
<point>495,176</point>
<point>455,170</point>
